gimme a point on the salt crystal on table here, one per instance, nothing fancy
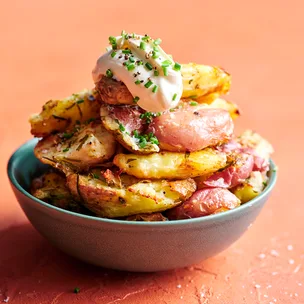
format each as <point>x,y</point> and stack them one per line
<point>268,286</point>
<point>181,297</point>
<point>265,296</point>
<point>296,294</point>
<point>291,261</point>
<point>179,286</point>
<point>6,300</point>
<point>289,247</point>
<point>300,284</point>
<point>274,273</point>
<point>274,253</point>
<point>257,286</point>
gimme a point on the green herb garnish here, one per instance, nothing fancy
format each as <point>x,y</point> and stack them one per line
<point>177,66</point>
<point>193,103</point>
<point>157,41</point>
<point>76,290</point>
<point>142,45</point>
<point>109,73</point>
<point>155,88</point>
<point>148,84</point>
<point>149,66</point>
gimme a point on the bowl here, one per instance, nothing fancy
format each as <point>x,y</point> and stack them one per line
<point>129,246</point>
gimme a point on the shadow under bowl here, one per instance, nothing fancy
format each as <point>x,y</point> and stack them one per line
<point>130,246</point>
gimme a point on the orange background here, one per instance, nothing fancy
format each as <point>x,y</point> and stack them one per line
<point>48,49</point>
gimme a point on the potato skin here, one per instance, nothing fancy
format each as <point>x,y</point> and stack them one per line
<point>171,165</point>
<point>113,117</point>
<point>51,188</point>
<point>61,115</point>
<point>88,146</point>
<point>114,92</point>
<point>198,81</point>
<point>192,128</point>
<point>251,187</point>
<point>204,202</point>
<point>141,197</point>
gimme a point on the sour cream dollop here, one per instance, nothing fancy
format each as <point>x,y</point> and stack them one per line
<point>151,76</point>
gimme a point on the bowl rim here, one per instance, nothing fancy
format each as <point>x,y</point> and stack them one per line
<point>19,151</point>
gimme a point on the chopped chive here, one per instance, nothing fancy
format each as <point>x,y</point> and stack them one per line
<point>156,73</point>
<point>95,175</point>
<point>155,54</point>
<point>65,150</point>
<point>193,96</point>
<point>123,33</point>
<point>148,84</point>
<point>145,38</point>
<point>165,70</point>
<point>177,66</point>
<point>131,67</point>
<point>142,45</point>
<point>68,135</point>
<point>121,127</point>
<point>113,54</point>
<point>265,184</point>
<point>126,51</point>
<point>166,63</point>
<point>133,35</point>
<point>174,96</point>
<point>137,82</point>
<point>80,101</point>
<point>109,73</point>
<point>155,88</point>
<point>155,48</point>
<point>157,41</point>
<point>131,59</point>
<point>76,290</point>
<point>193,103</point>
<point>112,39</point>
<point>148,66</point>
<point>136,99</point>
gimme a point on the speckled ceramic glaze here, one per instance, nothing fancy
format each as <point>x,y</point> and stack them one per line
<point>132,246</point>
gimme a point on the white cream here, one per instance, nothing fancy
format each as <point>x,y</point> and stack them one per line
<point>169,88</point>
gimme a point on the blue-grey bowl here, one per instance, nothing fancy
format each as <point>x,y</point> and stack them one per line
<point>131,246</point>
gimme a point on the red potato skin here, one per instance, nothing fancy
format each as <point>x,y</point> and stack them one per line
<point>234,174</point>
<point>128,116</point>
<point>192,128</point>
<point>204,202</point>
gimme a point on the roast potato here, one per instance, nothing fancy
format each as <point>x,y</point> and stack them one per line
<point>251,188</point>
<point>198,80</point>
<point>141,197</point>
<point>122,121</point>
<point>203,80</point>
<point>255,141</point>
<point>61,115</point>
<point>171,165</point>
<point>192,128</point>
<point>240,168</point>
<point>85,147</point>
<point>204,202</point>
<point>51,188</point>
<point>220,103</point>
<point>114,92</point>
